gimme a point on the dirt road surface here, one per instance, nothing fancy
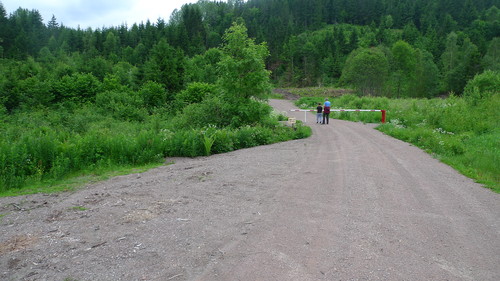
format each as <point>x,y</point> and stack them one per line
<point>348,203</point>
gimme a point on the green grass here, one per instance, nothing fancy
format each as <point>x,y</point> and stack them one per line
<point>77,180</point>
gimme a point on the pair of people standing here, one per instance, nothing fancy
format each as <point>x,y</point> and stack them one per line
<point>323,112</point>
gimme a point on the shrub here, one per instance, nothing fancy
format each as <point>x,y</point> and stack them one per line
<point>224,141</point>
<point>195,93</point>
<point>483,85</point>
<point>250,112</point>
<point>210,111</point>
<point>76,87</point>
<point>153,95</point>
<point>122,105</point>
<point>246,137</point>
<point>184,143</point>
<point>34,92</point>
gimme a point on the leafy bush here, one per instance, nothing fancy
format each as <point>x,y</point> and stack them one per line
<point>212,111</point>
<point>122,105</point>
<point>34,92</point>
<point>223,112</point>
<point>246,137</point>
<point>203,68</point>
<point>482,86</point>
<point>76,87</point>
<point>153,95</point>
<point>224,141</point>
<point>194,93</point>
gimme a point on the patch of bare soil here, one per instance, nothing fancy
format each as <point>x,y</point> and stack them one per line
<point>16,243</point>
<point>348,203</point>
<point>286,94</point>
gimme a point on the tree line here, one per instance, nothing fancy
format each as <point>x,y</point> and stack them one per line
<point>399,48</point>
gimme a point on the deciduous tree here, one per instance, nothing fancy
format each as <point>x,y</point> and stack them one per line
<point>242,71</point>
<point>366,70</point>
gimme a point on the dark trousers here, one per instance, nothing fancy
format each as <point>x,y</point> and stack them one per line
<point>326,116</point>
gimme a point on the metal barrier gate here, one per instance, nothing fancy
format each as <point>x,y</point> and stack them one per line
<point>342,110</point>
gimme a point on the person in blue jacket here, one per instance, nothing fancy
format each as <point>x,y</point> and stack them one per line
<point>326,111</point>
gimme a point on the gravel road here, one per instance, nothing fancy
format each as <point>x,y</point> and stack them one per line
<point>348,203</point>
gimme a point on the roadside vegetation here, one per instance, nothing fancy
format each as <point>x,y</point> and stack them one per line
<point>118,127</point>
<point>463,132</point>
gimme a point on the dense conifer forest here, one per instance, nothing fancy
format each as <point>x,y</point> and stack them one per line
<point>403,48</point>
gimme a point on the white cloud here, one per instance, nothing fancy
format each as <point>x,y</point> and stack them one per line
<point>99,13</point>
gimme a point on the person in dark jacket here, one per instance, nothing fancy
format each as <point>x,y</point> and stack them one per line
<point>319,113</point>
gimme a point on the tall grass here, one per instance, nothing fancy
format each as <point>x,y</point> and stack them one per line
<point>43,146</point>
<point>460,131</point>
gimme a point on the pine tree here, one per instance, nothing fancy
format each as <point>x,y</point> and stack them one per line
<point>3,29</point>
<point>52,25</point>
<point>166,66</point>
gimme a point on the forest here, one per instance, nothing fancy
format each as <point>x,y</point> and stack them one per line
<point>63,90</point>
<point>417,48</point>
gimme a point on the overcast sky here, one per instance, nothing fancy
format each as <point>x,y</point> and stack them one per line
<point>98,13</point>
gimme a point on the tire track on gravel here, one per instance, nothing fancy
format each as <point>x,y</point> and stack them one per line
<point>446,206</point>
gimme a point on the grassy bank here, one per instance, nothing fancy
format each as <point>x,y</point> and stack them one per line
<point>46,147</point>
